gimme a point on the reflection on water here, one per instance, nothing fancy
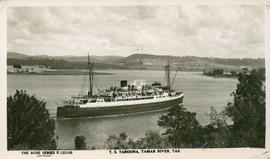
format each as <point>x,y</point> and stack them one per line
<point>200,93</point>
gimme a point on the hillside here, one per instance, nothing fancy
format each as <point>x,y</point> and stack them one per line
<point>137,61</point>
<point>97,59</point>
<point>16,55</point>
<point>61,64</point>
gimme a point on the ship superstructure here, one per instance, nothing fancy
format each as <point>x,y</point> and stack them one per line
<point>133,97</point>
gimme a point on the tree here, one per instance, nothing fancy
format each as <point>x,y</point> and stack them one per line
<point>117,142</point>
<point>123,136</point>
<point>80,143</point>
<point>233,73</point>
<point>217,134</point>
<point>152,139</point>
<point>218,71</point>
<point>182,128</point>
<point>214,72</point>
<point>29,123</point>
<point>247,110</point>
<point>19,66</point>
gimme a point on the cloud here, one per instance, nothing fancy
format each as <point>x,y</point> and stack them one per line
<point>217,31</point>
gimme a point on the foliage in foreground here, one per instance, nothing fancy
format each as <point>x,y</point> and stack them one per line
<point>152,139</point>
<point>246,112</point>
<point>29,123</point>
<point>182,128</point>
<point>80,143</point>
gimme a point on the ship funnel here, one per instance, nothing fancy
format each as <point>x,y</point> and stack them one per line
<point>123,83</point>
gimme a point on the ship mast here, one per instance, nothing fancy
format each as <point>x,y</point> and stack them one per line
<point>167,74</point>
<point>91,77</point>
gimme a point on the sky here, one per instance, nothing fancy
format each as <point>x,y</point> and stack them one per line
<point>229,31</point>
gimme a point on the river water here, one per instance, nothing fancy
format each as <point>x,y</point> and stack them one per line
<point>200,93</point>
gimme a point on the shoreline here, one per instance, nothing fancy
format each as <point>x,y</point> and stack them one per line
<point>80,72</point>
<point>220,76</point>
<point>59,72</point>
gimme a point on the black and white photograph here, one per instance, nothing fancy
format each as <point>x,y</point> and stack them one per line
<point>136,78</point>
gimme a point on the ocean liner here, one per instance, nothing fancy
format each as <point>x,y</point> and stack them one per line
<point>135,97</point>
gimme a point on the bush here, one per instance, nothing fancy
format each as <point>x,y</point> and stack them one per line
<point>182,128</point>
<point>19,66</point>
<point>29,123</point>
<point>217,134</point>
<point>152,139</point>
<point>80,143</point>
<point>247,110</point>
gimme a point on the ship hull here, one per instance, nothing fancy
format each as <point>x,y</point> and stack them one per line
<point>75,111</point>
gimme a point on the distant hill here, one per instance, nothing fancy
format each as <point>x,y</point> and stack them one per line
<point>16,55</point>
<point>146,61</point>
<point>97,59</point>
<point>180,59</point>
<point>138,61</point>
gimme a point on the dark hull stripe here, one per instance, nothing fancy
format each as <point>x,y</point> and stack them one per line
<point>102,111</point>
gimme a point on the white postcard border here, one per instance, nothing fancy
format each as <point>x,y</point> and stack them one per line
<point>186,153</point>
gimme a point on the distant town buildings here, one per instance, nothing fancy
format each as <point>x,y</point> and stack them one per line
<point>26,68</point>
